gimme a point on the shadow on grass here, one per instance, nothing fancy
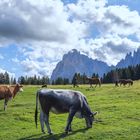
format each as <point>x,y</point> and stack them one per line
<point>17,105</point>
<point>2,112</point>
<point>90,89</point>
<point>53,137</point>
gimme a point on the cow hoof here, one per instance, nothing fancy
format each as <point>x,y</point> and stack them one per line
<point>43,132</point>
<point>66,132</point>
<point>70,130</point>
<point>50,133</point>
<point>88,127</point>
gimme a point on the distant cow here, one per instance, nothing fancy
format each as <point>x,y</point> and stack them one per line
<point>125,82</point>
<point>95,81</point>
<point>75,81</point>
<point>62,101</point>
<point>45,85</point>
<point>8,93</point>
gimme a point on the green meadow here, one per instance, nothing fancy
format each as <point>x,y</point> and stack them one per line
<point>118,115</point>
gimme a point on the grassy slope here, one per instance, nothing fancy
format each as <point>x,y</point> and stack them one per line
<point>118,118</point>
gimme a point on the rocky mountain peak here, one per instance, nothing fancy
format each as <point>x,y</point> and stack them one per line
<point>131,59</point>
<point>74,61</point>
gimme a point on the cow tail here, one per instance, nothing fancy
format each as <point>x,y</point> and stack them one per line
<point>36,110</point>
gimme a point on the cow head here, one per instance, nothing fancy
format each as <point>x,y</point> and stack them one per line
<point>89,119</point>
<point>19,88</point>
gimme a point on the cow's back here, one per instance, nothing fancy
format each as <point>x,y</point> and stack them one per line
<point>59,101</point>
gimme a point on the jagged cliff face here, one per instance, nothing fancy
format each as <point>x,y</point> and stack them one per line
<point>130,60</point>
<point>75,62</point>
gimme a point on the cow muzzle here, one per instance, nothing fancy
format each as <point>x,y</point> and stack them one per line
<point>21,90</point>
<point>89,122</point>
<point>90,119</point>
<point>89,125</point>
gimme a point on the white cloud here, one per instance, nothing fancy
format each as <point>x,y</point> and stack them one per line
<point>112,49</point>
<point>10,73</point>
<point>46,30</point>
<point>32,67</point>
<point>117,20</point>
<point>122,20</point>
<point>30,20</point>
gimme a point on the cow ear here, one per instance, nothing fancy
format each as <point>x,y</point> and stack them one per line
<point>94,113</point>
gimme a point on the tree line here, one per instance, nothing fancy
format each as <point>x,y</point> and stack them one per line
<point>131,72</point>
<point>25,80</point>
<point>33,80</point>
<point>6,79</point>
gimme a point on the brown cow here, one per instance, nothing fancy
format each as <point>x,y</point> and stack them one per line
<point>125,82</point>
<point>8,93</point>
<point>94,80</point>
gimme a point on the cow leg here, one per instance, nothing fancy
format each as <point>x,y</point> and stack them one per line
<point>91,86</point>
<point>70,129</point>
<point>70,118</point>
<point>46,118</point>
<point>5,104</point>
<point>42,121</point>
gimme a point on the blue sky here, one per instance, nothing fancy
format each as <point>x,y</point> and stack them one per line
<point>132,4</point>
<point>34,35</point>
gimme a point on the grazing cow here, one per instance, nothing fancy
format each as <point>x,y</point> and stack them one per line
<point>8,93</point>
<point>94,80</point>
<point>62,101</point>
<point>45,85</point>
<point>126,81</point>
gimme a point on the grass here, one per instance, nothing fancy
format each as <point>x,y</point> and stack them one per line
<point>118,117</point>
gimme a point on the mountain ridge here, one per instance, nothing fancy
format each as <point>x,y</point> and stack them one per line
<point>131,59</point>
<point>75,62</point>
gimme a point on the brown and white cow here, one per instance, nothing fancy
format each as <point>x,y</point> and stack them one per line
<point>8,93</point>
